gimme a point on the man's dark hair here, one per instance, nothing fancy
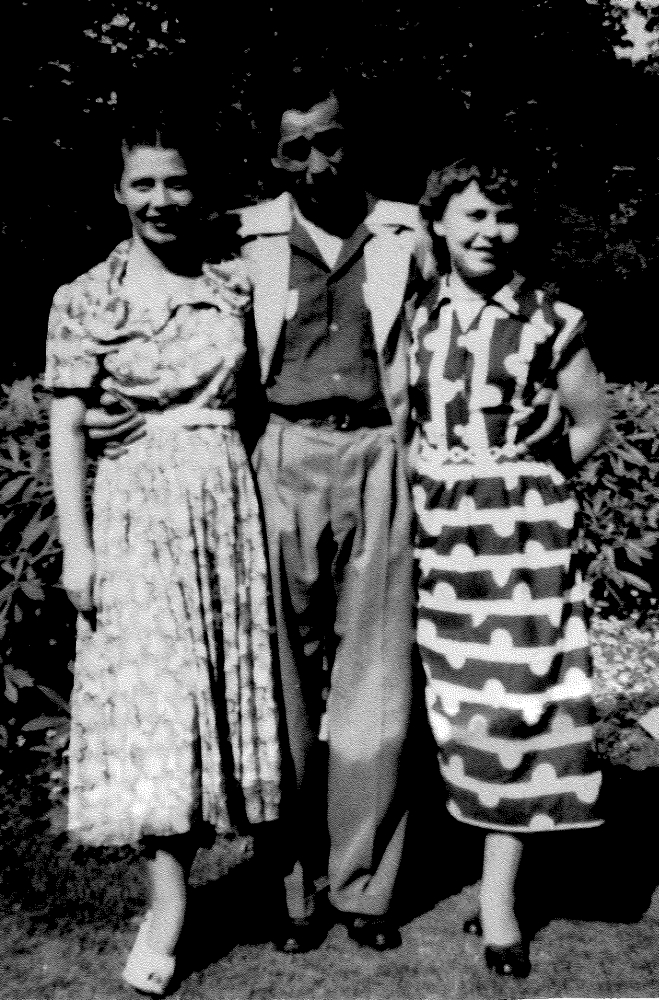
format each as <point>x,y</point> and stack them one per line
<point>300,89</point>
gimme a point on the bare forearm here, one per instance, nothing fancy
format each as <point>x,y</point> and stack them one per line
<point>583,395</point>
<point>584,438</point>
<point>68,469</point>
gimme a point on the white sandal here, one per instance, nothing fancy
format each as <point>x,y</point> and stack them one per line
<point>147,970</point>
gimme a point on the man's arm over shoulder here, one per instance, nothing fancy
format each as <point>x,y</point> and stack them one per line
<point>266,218</point>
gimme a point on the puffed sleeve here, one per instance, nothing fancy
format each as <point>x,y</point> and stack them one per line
<point>70,360</point>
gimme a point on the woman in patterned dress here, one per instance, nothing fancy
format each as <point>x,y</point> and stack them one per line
<point>501,602</point>
<point>173,720</point>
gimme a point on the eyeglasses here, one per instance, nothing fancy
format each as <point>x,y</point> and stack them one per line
<point>329,143</point>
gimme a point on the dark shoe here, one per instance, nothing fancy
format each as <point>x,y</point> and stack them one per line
<point>299,936</point>
<point>374,932</point>
<point>509,959</point>
<point>473,925</point>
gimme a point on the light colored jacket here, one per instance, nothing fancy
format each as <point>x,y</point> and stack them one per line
<point>396,229</point>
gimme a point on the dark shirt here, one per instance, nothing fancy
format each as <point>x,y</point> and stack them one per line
<point>327,349</point>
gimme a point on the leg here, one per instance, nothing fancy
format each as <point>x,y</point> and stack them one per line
<point>501,859</point>
<point>505,951</point>
<point>150,965</point>
<point>169,867</point>
<point>370,694</point>
<point>293,471</point>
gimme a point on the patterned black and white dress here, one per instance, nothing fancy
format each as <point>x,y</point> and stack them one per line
<point>501,612</point>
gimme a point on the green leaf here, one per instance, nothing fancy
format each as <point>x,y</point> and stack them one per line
<point>636,581</point>
<point>54,697</point>
<point>34,530</point>
<point>19,677</point>
<point>43,722</point>
<point>12,488</point>
<point>33,589</point>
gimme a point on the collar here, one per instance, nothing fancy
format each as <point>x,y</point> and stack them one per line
<point>274,218</point>
<point>227,280</point>
<point>302,240</point>
<point>507,296</point>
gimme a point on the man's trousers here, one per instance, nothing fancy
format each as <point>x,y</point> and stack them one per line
<point>338,522</point>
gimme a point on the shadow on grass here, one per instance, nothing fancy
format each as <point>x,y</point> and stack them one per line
<point>608,874</point>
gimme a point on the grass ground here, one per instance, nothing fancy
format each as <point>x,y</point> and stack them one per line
<point>589,899</point>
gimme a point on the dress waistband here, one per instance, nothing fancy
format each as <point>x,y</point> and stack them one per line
<point>190,416</point>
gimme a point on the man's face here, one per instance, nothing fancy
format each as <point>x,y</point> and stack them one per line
<point>478,232</point>
<point>311,150</point>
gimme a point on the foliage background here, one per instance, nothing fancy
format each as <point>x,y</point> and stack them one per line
<point>540,72</point>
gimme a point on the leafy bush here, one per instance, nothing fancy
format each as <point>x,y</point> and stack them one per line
<point>37,624</point>
<point>626,686</point>
<point>618,489</point>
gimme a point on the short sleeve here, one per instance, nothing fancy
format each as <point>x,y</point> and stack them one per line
<point>70,361</point>
<point>569,339</point>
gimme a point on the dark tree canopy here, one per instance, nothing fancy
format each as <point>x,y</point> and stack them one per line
<point>429,81</point>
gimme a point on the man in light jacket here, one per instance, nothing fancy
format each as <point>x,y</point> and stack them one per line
<point>330,267</point>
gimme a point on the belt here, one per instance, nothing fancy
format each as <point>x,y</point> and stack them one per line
<point>338,418</point>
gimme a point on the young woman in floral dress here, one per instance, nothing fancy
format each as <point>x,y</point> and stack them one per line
<point>173,717</point>
<point>501,612</point>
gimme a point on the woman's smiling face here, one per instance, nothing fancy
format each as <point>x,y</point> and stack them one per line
<point>155,189</point>
<point>478,233</point>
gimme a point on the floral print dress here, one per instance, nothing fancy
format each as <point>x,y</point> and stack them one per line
<point>173,717</point>
<point>501,602</point>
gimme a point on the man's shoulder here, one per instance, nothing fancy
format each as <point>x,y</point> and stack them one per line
<point>266,218</point>
<point>394,217</point>
<point>275,217</point>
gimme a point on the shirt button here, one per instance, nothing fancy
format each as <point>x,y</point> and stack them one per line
<point>334,327</point>
<point>336,377</point>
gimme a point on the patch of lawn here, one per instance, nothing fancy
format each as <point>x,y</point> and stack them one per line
<point>588,898</point>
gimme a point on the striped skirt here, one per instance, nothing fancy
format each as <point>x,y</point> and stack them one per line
<point>502,635</point>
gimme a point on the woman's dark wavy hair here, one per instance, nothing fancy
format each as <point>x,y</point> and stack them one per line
<point>502,183</point>
<point>184,127</point>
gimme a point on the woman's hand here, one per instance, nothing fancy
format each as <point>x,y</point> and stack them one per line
<point>78,576</point>
<point>550,423</point>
